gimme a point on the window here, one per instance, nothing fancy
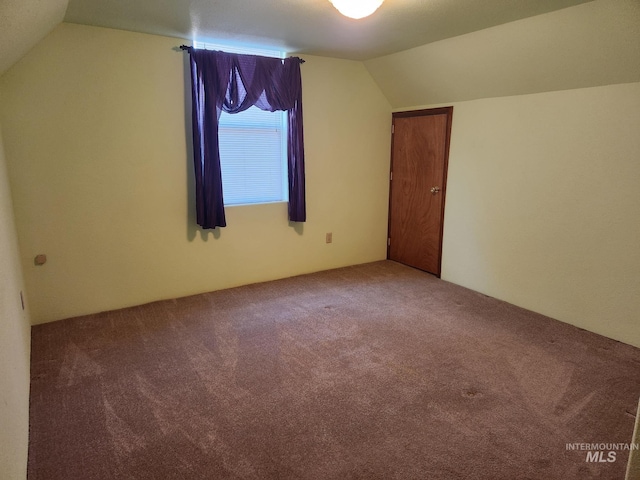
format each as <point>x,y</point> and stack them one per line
<point>253,156</point>
<point>253,148</point>
<point>276,85</point>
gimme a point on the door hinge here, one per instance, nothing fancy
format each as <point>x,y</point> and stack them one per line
<point>388,241</point>
<point>393,129</point>
<point>390,176</point>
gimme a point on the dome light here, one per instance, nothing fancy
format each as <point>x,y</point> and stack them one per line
<point>356,8</point>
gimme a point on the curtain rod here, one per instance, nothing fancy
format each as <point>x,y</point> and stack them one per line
<point>188,47</point>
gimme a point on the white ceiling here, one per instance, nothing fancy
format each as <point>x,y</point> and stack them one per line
<point>308,26</point>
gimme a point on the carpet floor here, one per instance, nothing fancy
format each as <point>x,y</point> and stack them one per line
<point>375,371</point>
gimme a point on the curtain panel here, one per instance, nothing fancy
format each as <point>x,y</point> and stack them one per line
<point>232,83</point>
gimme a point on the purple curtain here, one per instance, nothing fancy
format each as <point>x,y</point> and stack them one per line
<point>233,83</point>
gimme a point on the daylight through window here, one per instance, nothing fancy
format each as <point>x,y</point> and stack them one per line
<point>253,148</point>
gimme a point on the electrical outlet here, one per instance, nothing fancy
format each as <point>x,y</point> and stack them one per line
<point>329,237</point>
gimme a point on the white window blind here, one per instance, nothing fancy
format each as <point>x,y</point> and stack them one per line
<point>253,148</point>
<point>253,156</point>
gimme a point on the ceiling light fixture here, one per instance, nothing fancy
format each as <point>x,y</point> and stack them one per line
<point>356,8</point>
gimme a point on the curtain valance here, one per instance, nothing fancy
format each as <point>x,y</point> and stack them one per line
<point>230,82</point>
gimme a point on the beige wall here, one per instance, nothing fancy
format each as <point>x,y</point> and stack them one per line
<point>94,125</point>
<point>543,205</point>
<point>14,345</point>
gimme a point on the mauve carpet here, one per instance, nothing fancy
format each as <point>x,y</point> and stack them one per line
<point>376,371</point>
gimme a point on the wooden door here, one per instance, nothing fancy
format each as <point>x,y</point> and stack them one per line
<point>419,156</point>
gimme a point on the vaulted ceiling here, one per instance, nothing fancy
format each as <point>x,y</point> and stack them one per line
<point>23,23</point>
<point>418,51</point>
<point>298,26</point>
<point>309,26</point>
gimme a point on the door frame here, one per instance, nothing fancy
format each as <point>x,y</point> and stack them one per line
<point>448,111</point>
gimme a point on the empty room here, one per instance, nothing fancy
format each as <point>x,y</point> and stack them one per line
<point>267,239</point>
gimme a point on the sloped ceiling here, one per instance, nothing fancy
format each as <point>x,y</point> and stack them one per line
<point>309,26</point>
<point>588,45</point>
<point>23,24</point>
<point>418,51</point>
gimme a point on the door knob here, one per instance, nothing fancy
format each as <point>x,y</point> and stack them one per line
<point>435,190</point>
